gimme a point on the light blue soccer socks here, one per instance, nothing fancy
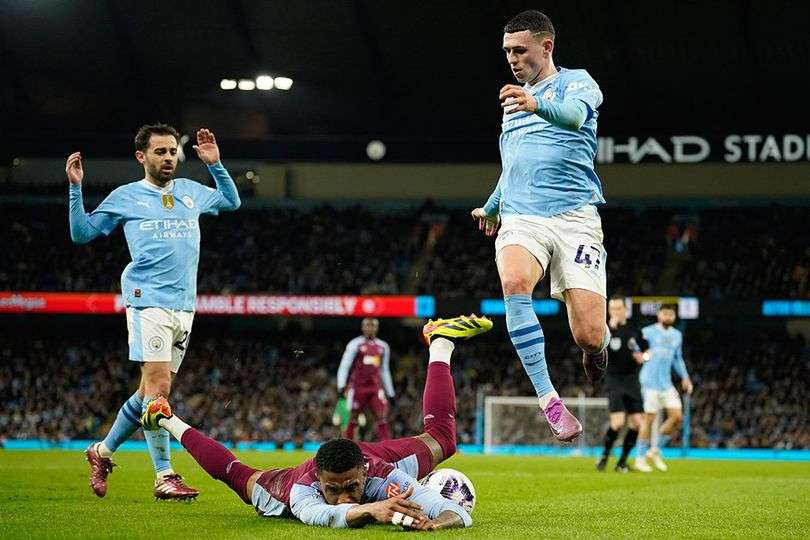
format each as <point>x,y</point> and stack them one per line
<point>126,423</point>
<point>527,337</point>
<point>159,444</point>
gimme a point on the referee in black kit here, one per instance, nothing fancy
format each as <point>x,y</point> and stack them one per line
<point>627,348</point>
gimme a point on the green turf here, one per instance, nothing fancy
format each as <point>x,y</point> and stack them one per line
<point>45,495</point>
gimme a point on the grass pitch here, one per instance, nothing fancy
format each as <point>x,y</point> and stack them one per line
<point>46,495</point>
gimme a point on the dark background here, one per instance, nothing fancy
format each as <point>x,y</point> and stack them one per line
<point>77,71</point>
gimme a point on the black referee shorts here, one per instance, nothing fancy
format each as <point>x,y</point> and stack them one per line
<point>624,394</point>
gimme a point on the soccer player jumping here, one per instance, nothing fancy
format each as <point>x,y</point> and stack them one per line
<point>351,484</point>
<point>543,207</point>
<point>368,358</point>
<point>160,216</point>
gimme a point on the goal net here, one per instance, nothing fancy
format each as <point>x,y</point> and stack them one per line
<point>515,421</point>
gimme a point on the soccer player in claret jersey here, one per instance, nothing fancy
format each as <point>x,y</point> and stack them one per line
<point>351,484</point>
<point>665,356</point>
<point>544,208</point>
<point>160,216</point>
<point>366,365</point>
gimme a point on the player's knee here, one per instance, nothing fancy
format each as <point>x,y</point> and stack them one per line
<point>515,284</point>
<point>589,337</point>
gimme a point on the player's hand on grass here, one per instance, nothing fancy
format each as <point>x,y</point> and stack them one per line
<point>74,169</point>
<point>687,386</point>
<point>488,224</point>
<point>515,98</point>
<point>206,147</point>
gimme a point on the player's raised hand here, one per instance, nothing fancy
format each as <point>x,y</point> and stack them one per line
<point>74,169</point>
<point>488,224</point>
<point>515,98</point>
<point>206,147</point>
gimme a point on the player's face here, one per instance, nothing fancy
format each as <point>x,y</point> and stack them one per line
<point>370,328</point>
<point>343,488</point>
<point>666,317</point>
<point>617,311</point>
<point>527,55</point>
<point>160,158</point>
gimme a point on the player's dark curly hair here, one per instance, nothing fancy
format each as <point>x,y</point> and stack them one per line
<point>144,132</point>
<point>338,456</point>
<point>531,20</point>
<point>671,307</point>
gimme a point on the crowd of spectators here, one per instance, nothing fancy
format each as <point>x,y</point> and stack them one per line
<point>748,391</point>
<point>738,253</point>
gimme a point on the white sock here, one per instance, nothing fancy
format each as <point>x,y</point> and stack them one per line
<point>441,350</point>
<point>164,473</point>
<point>103,451</point>
<point>545,398</point>
<point>175,426</point>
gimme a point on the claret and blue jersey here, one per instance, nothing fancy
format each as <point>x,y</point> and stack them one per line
<point>548,169</point>
<point>162,229</point>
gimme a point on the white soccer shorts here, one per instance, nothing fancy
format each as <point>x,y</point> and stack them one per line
<point>657,400</point>
<point>568,247</point>
<point>159,335</point>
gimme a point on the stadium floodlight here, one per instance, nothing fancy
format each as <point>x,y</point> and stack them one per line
<point>227,84</point>
<point>283,83</point>
<point>264,82</point>
<point>246,84</point>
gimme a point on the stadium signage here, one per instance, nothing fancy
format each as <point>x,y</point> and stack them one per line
<point>733,148</point>
<point>248,304</point>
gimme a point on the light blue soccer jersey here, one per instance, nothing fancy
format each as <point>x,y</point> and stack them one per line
<point>547,169</point>
<point>666,354</point>
<point>162,231</point>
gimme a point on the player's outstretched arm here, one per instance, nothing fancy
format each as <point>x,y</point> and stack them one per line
<point>226,196</point>
<point>391,510</point>
<point>571,114</point>
<point>81,229</point>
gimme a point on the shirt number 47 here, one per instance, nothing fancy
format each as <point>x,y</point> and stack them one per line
<point>584,256</point>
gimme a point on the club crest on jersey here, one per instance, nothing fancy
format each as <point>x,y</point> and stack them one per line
<point>549,94</point>
<point>168,201</point>
<point>393,490</point>
<point>188,201</point>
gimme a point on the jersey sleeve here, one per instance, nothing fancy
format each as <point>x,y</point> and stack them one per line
<point>385,370</point>
<point>106,217</point>
<point>492,205</point>
<point>308,505</point>
<point>431,501</point>
<point>346,364</point>
<point>582,87</point>
<point>678,363</point>
<point>224,197</point>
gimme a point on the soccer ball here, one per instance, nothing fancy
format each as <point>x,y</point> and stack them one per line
<point>453,485</point>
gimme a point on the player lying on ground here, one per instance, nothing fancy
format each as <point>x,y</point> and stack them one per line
<point>351,484</point>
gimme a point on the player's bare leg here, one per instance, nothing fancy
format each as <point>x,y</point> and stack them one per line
<point>665,433</point>
<point>588,321</point>
<point>520,271</point>
<point>644,443</point>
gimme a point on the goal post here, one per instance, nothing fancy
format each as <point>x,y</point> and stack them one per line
<point>515,422</point>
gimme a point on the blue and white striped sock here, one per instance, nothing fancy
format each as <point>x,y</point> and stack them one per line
<point>126,423</point>
<point>527,337</point>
